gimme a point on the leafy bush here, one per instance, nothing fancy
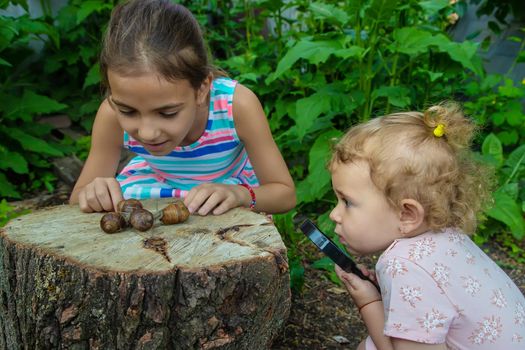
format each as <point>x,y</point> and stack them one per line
<point>61,77</point>
<point>318,68</point>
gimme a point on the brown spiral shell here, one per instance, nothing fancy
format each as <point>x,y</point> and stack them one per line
<point>128,205</point>
<point>141,219</point>
<point>175,213</point>
<point>112,222</point>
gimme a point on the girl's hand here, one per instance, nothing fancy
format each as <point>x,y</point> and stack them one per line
<point>361,291</point>
<point>101,194</point>
<point>216,198</point>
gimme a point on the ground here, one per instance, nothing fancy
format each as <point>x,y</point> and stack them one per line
<point>322,316</point>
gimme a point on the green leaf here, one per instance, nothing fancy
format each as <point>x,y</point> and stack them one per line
<point>513,113</point>
<point>398,96</point>
<point>492,146</point>
<point>328,12</point>
<point>324,264</point>
<point>328,227</point>
<point>308,109</point>
<point>508,137</point>
<point>510,189</point>
<point>23,3</point>
<point>509,90</point>
<point>31,103</point>
<point>411,41</point>
<point>14,161</point>
<point>382,10</point>
<point>464,52</point>
<point>5,63</point>
<point>88,7</point>
<point>516,162</point>
<point>353,51</point>
<point>7,189</point>
<point>296,274</point>
<point>431,7</point>
<point>31,143</point>
<point>93,76</point>
<point>329,99</point>
<point>317,183</point>
<point>34,26</point>
<point>313,51</point>
<point>516,158</point>
<point>507,211</point>
<point>8,31</point>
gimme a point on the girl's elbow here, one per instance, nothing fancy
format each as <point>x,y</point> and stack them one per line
<point>291,201</point>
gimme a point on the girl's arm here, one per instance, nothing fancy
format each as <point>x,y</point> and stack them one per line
<point>276,193</point>
<point>96,188</point>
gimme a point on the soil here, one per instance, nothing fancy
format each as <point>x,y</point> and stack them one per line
<point>322,315</point>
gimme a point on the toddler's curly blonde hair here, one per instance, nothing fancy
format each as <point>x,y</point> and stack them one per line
<point>426,157</point>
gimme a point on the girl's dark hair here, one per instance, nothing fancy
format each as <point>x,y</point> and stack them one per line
<point>155,35</point>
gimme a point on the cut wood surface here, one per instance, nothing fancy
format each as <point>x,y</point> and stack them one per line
<point>210,282</point>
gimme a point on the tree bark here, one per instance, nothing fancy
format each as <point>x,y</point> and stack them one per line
<point>210,282</point>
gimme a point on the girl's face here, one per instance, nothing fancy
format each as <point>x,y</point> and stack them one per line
<point>365,223</point>
<point>159,114</point>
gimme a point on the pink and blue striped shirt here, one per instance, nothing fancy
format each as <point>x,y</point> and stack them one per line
<point>217,156</point>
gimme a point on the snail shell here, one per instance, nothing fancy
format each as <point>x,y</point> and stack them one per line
<point>128,205</point>
<point>175,213</point>
<point>112,222</point>
<point>141,219</point>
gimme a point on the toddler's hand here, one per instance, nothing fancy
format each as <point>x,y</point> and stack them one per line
<point>101,194</point>
<point>361,291</point>
<point>215,198</point>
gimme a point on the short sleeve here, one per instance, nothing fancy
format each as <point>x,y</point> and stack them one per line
<point>416,308</point>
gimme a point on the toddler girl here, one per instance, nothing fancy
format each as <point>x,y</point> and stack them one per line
<point>198,135</point>
<point>408,186</point>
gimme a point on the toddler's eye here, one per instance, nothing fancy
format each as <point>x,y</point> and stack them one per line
<point>347,202</point>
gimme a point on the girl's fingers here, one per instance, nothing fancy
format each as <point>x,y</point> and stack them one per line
<point>115,193</point>
<point>83,204</point>
<point>189,198</point>
<point>226,205</point>
<point>91,199</point>
<point>211,202</point>
<point>200,195</point>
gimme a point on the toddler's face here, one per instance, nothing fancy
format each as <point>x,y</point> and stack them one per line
<point>365,223</point>
<point>159,114</point>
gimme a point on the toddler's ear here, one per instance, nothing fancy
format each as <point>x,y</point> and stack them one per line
<point>412,217</point>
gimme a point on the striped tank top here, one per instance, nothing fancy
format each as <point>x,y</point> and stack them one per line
<point>217,156</point>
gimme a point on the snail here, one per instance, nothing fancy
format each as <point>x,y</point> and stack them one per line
<point>128,205</point>
<point>112,222</point>
<point>141,219</point>
<point>130,212</point>
<point>174,213</point>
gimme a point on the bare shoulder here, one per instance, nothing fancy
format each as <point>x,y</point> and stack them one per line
<point>244,101</point>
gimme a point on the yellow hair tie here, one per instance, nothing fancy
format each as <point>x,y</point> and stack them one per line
<point>439,130</point>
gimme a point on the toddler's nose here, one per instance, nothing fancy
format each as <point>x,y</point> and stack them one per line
<point>333,215</point>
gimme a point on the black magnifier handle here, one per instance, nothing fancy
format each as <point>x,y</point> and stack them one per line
<point>330,249</point>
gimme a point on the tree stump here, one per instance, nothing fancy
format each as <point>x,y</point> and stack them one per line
<point>210,282</point>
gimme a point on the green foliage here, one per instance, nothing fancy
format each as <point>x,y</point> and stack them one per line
<point>318,68</point>
<point>48,65</point>
<point>8,212</point>
<point>342,63</point>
